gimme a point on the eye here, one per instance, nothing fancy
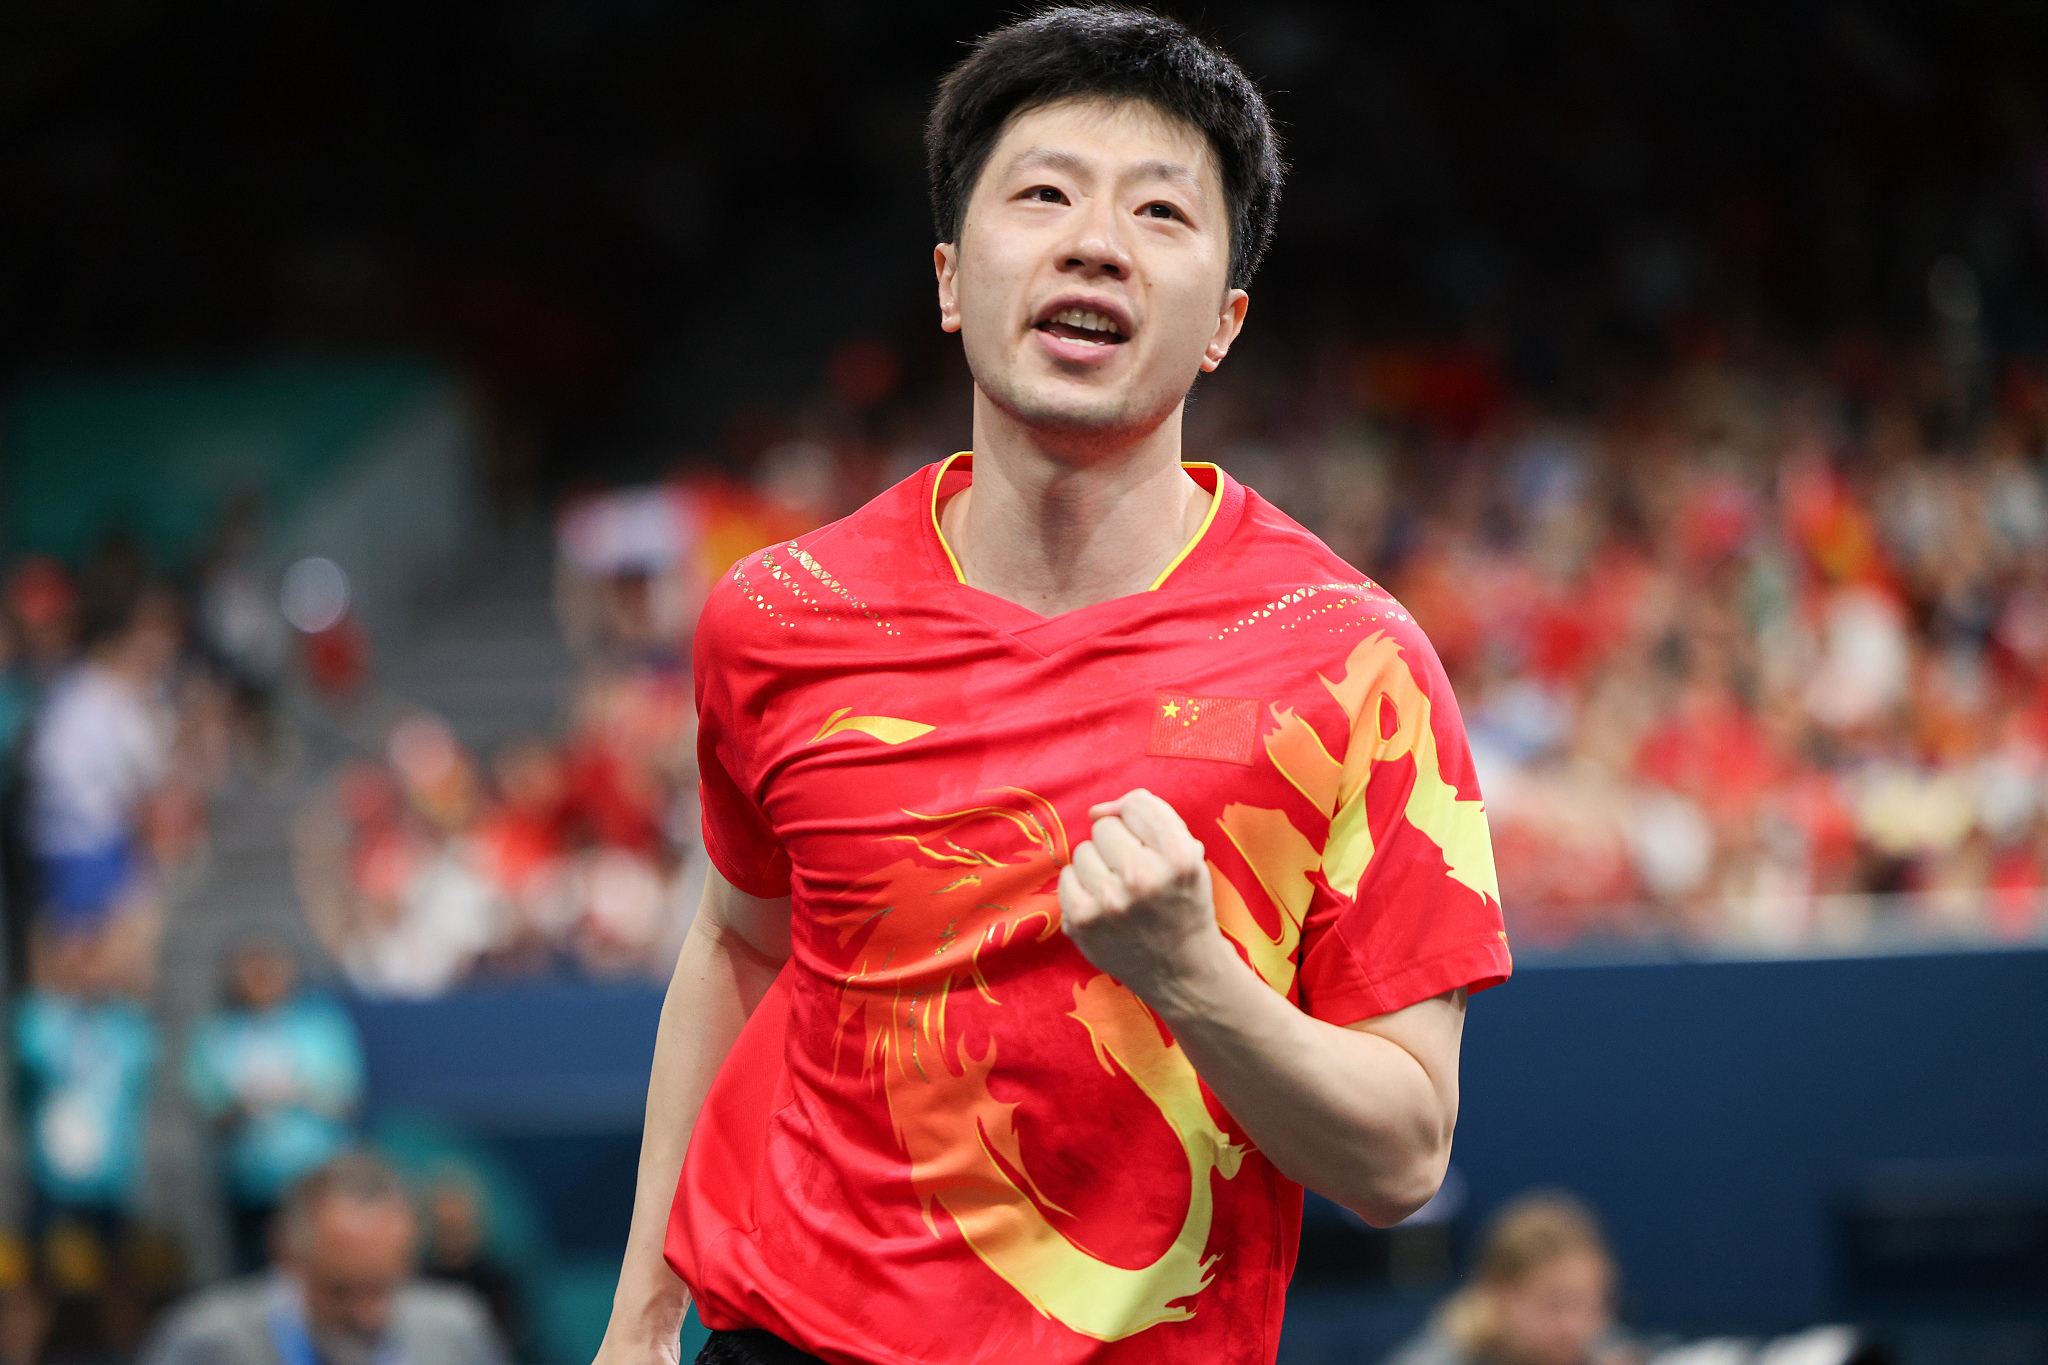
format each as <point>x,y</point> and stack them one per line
<point>1159,209</point>
<point>1045,194</point>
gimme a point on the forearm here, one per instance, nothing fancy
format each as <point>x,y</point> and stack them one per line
<point>718,981</point>
<point>1352,1115</point>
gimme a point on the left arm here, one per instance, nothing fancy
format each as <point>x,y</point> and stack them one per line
<point>1361,1114</point>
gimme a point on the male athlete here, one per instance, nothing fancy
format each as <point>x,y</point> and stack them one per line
<point>1097,860</point>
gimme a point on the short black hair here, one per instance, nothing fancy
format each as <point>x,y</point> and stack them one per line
<point>1118,53</point>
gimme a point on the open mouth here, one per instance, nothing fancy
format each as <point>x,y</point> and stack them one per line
<point>1084,324</point>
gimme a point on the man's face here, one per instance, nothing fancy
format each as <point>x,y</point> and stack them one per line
<point>1089,281</point>
<point>355,1253</point>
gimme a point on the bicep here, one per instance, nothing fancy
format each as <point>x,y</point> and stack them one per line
<point>1431,1032</point>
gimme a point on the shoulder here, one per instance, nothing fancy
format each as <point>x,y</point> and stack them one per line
<point>70,693</point>
<point>223,1324</point>
<point>1270,544</point>
<point>322,1012</point>
<point>1285,574</point>
<point>835,577</point>
<point>445,1322</point>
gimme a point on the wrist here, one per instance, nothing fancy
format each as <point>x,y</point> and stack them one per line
<point>1198,981</point>
<point>652,1312</point>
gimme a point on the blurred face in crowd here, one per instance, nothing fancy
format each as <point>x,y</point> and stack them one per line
<point>150,644</point>
<point>530,777</point>
<point>457,1222</point>
<point>350,1258</point>
<point>264,976</point>
<point>1089,284</point>
<point>1556,1312</point>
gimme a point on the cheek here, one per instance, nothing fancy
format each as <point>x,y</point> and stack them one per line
<point>1182,329</point>
<point>987,282</point>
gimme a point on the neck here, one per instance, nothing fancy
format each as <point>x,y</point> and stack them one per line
<point>1053,528</point>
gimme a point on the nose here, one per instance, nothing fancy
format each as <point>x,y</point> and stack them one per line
<point>1096,246</point>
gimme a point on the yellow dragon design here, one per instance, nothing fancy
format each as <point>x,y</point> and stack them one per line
<point>927,917</point>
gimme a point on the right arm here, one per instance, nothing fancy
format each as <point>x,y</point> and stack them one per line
<point>730,957</point>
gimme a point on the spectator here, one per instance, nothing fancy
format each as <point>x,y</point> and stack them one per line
<point>85,1051</point>
<point>387,872</point>
<point>42,598</point>
<point>101,751</point>
<point>281,1073</point>
<point>1540,1293</point>
<point>457,1253</point>
<point>343,1291</point>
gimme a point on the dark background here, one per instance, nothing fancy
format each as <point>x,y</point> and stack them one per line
<point>639,226</point>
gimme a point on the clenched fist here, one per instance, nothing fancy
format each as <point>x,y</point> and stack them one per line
<point>1135,900</point>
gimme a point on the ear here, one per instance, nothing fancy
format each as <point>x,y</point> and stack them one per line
<point>1229,322</point>
<point>946,261</point>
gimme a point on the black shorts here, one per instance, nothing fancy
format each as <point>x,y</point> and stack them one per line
<point>752,1348</point>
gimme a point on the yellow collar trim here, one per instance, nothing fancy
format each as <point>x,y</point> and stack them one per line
<point>938,480</point>
<point>1208,519</point>
<point>1215,502</point>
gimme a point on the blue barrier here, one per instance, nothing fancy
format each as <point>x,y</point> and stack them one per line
<point>1713,1112</point>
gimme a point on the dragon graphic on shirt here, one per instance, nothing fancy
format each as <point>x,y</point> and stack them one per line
<point>970,881</point>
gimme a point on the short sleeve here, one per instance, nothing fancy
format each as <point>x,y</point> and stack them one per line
<point>1413,904</point>
<point>738,837</point>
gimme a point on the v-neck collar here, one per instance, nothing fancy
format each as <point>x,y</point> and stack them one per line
<point>1049,634</point>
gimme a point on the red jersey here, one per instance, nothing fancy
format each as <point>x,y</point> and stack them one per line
<point>945,1137</point>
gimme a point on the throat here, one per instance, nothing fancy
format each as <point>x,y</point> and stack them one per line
<point>1065,549</point>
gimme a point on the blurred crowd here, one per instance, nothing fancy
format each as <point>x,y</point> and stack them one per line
<point>578,854</point>
<point>1749,641</point>
<point>1751,652</point>
<point>420,871</point>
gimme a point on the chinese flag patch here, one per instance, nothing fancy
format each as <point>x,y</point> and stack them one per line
<point>1222,728</point>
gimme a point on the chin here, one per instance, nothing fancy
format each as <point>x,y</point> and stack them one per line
<point>1083,419</point>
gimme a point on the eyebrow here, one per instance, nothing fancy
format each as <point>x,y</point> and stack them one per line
<point>1169,170</point>
<point>1054,159</point>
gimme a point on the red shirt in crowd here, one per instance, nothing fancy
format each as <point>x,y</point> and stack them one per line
<point>945,1136</point>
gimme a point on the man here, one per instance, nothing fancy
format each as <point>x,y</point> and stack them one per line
<point>99,758</point>
<point>343,1294</point>
<point>1097,860</point>
<point>280,1074</point>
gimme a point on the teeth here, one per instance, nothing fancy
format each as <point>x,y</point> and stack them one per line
<point>1086,319</point>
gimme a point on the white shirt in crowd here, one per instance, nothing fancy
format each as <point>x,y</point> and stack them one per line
<point>100,747</point>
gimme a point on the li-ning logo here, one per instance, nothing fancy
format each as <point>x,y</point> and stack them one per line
<point>1221,728</point>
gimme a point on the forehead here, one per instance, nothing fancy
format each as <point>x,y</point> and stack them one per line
<point>1580,1268</point>
<point>347,1230</point>
<point>1109,136</point>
